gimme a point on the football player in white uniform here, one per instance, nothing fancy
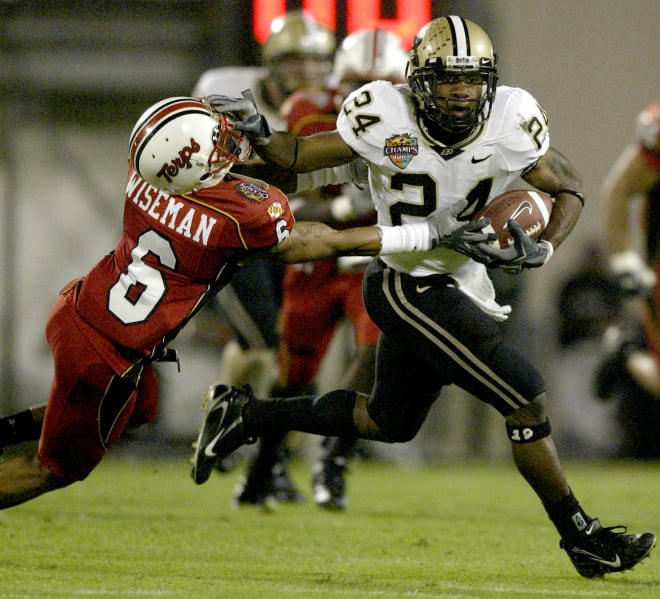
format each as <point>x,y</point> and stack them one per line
<point>296,55</point>
<point>439,147</point>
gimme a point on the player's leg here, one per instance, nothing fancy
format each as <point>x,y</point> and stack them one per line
<point>329,473</point>
<point>22,426</point>
<point>87,410</point>
<point>23,478</point>
<point>482,363</point>
<point>306,322</point>
<point>251,304</point>
<point>499,375</point>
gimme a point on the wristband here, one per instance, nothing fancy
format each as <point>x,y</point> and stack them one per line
<point>577,194</point>
<point>413,237</point>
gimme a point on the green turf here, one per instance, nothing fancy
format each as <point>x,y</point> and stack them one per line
<point>141,528</point>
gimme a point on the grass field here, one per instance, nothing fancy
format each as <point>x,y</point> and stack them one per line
<point>140,528</point>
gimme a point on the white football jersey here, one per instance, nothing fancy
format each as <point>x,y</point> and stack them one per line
<point>413,177</point>
<point>231,81</point>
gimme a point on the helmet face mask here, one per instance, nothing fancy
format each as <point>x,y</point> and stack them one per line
<point>452,73</point>
<point>179,144</point>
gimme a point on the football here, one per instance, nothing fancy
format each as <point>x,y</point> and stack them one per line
<point>529,208</point>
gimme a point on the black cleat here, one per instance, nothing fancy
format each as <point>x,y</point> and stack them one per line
<point>329,485</point>
<point>600,550</point>
<point>262,489</point>
<point>282,487</point>
<point>222,430</point>
<point>251,491</point>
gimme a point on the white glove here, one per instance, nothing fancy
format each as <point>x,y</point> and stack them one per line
<point>632,274</point>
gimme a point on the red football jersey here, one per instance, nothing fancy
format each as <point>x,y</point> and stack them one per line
<point>175,253</point>
<point>310,111</point>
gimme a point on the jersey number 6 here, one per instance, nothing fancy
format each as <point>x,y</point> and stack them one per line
<point>139,290</point>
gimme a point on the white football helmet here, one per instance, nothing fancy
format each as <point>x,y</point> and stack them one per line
<point>179,144</point>
<point>647,128</point>
<point>445,47</point>
<point>367,55</point>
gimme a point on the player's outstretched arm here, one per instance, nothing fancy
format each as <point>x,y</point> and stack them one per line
<point>315,241</point>
<point>308,153</point>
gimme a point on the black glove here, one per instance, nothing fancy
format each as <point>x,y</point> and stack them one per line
<point>524,253</point>
<point>468,238</point>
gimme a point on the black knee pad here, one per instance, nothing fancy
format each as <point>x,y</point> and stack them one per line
<point>528,434</point>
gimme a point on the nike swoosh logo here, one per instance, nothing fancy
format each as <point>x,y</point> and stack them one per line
<point>209,449</point>
<point>477,160</point>
<point>521,208</point>
<point>590,529</point>
<point>615,563</point>
<point>423,289</point>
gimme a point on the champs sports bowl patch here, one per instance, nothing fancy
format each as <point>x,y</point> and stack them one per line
<point>401,149</point>
<point>252,191</point>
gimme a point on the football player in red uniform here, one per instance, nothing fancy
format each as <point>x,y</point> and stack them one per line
<point>317,297</point>
<point>439,148</point>
<point>188,225</point>
<point>634,179</point>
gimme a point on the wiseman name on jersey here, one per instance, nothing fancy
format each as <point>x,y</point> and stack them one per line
<point>169,210</point>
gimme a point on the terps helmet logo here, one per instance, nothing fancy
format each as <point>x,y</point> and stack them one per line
<point>275,210</point>
<point>401,149</point>
<point>252,191</point>
<point>171,169</point>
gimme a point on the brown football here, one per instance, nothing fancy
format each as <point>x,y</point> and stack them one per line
<point>529,208</point>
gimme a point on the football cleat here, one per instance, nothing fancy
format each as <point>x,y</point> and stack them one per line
<point>252,491</point>
<point>262,489</point>
<point>282,487</point>
<point>329,485</point>
<point>600,550</point>
<point>222,430</point>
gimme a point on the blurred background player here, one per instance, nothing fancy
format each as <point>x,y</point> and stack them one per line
<point>631,195</point>
<point>296,55</point>
<point>318,297</point>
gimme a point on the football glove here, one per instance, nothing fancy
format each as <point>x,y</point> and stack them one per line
<point>248,119</point>
<point>467,238</point>
<point>631,273</point>
<point>524,253</point>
